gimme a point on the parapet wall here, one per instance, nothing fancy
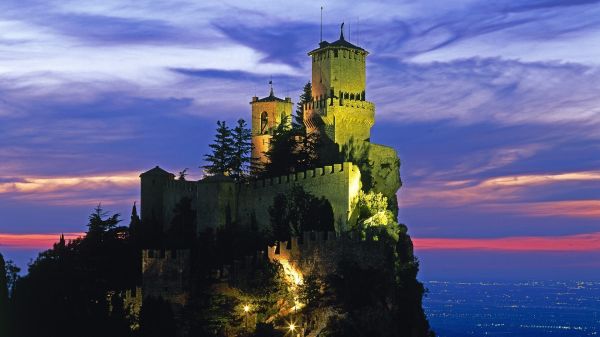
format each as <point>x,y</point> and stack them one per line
<point>321,252</point>
<point>218,200</point>
<point>166,274</point>
<point>338,183</point>
<point>173,192</point>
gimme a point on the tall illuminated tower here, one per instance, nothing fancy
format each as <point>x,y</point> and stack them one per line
<point>339,107</point>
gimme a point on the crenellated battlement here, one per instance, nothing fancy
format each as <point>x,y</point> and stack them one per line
<point>328,170</point>
<point>162,254</point>
<point>181,185</point>
<point>327,103</point>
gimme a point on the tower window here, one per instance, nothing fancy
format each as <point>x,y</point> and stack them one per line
<point>335,53</point>
<point>264,120</point>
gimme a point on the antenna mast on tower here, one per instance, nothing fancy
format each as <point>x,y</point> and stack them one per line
<point>321,40</point>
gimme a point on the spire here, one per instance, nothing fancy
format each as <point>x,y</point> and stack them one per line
<point>271,94</point>
<point>134,210</point>
<point>342,32</point>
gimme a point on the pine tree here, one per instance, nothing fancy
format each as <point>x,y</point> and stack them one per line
<point>282,157</point>
<point>305,97</point>
<point>220,158</point>
<point>242,145</point>
<point>97,225</point>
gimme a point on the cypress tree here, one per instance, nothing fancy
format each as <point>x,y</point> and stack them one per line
<point>242,145</point>
<point>220,158</point>
<point>305,97</point>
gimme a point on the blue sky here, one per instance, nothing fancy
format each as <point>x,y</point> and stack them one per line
<point>492,106</point>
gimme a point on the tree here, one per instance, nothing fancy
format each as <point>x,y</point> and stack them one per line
<point>298,211</point>
<point>307,151</point>
<point>135,226</point>
<point>282,154</point>
<point>156,318</point>
<point>241,148</point>
<point>97,225</point>
<point>305,97</point>
<point>182,174</point>
<point>220,158</point>
<point>4,319</point>
<point>182,232</point>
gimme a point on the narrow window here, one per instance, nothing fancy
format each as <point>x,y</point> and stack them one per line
<point>335,53</point>
<point>264,120</point>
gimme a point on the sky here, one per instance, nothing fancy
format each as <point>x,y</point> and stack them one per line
<point>493,107</point>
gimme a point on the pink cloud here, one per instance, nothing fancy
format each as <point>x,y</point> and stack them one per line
<point>567,243</point>
<point>33,240</point>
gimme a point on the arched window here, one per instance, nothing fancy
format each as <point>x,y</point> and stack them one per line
<point>264,120</point>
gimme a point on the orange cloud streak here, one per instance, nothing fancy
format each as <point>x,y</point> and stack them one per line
<point>108,188</point>
<point>45,185</point>
<point>33,241</point>
<point>572,243</point>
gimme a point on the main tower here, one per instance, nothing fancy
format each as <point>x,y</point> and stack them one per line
<point>339,107</point>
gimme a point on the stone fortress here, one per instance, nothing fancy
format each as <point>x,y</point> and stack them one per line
<point>338,111</point>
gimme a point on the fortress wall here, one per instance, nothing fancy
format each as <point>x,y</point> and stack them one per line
<point>342,119</point>
<point>173,192</point>
<point>166,274</point>
<point>321,252</point>
<point>338,183</point>
<point>214,200</point>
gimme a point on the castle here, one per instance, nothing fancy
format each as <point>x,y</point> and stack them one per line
<point>339,111</point>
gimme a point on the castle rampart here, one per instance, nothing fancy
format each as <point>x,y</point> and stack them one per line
<point>166,273</point>
<point>338,183</point>
<point>321,252</point>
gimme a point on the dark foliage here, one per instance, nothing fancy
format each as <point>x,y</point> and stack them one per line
<point>156,318</point>
<point>182,232</point>
<point>4,305</point>
<point>219,161</point>
<point>297,212</point>
<point>242,146</point>
<point>291,150</point>
<point>67,285</point>
<point>230,150</point>
<point>305,97</point>
<point>266,330</point>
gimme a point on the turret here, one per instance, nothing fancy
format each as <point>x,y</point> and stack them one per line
<point>153,183</point>
<point>267,114</point>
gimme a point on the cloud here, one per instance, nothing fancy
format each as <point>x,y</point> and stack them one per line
<point>487,90</point>
<point>81,190</point>
<point>565,208</point>
<point>568,243</point>
<point>505,189</point>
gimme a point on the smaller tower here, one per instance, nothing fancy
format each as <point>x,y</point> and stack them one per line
<point>153,184</point>
<point>267,114</point>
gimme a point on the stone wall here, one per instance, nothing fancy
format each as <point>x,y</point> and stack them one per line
<point>166,274</point>
<point>320,252</point>
<point>218,198</point>
<point>338,183</point>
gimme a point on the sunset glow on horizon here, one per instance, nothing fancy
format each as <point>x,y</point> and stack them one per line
<point>498,141</point>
